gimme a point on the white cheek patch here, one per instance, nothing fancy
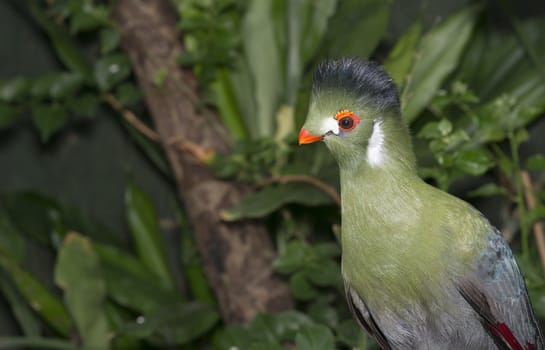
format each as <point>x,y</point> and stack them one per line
<point>330,125</point>
<point>375,149</point>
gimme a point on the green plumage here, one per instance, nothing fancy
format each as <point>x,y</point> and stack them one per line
<point>390,217</point>
<point>415,259</point>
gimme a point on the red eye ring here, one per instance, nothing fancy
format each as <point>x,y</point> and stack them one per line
<point>347,120</point>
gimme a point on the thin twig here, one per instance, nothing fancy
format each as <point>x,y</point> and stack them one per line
<point>329,190</point>
<point>131,118</point>
<point>539,232</point>
<point>202,154</point>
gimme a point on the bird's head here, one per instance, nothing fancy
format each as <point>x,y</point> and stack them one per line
<point>354,104</point>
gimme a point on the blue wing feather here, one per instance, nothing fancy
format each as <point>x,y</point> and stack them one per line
<point>497,292</point>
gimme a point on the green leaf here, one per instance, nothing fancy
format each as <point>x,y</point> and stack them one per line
<point>266,331</point>
<point>32,213</point>
<point>306,23</point>
<point>42,301</point>
<point>487,190</point>
<point>265,326</point>
<point>109,40</point>
<point>325,273</point>
<point>111,70</point>
<point>324,313</point>
<point>401,58</point>
<point>12,243</point>
<point>46,220</point>
<point>128,94</point>
<point>535,214</point>
<point>292,258</point>
<point>175,324</point>
<point>8,115</point>
<point>65,84</point>
<point>538,301</point>
<point>438,54</point>
<point>315,337</point>
<point>286,324</point>
<point>41,86</point>
<point>36,343</point>
<point>62,42</point>
<point>78,273</point>
<point>444,127</point>
<point>242,82</point>
<point>474,162</point>
<point>48,119</point>
<point>301,288</point>
<point>198,283</point>
<point>354,20</point>
<point>535,162</point>
<point>227,104</point>
<point>435,130</point>
<point>533,275</point>
<point>316,17</point>
<point>266,346</point>
<point>182,323</point>
<point>134,292</point>
<point>258,36</point>
<point>126,262</point>
<point>88,18</point>
<point>430,130</point>
<point>327,249</point>
<point>84,105</point>
<point>144,226</point>
<point>271,198</point>
<point>521,136</point>
<point>14,90</point>
<point>501,62</point>
<point>118,317</point>
<point>26,318</point>
<point>191,261</point>
<point>348,332</point>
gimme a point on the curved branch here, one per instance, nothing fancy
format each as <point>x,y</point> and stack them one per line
<point>329,190</point>
<point>131,118</point>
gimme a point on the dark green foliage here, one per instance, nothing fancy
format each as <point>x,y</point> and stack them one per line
<point>93,274</point>
<point>470,92</point>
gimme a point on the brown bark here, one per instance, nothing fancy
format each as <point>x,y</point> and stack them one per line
<point>237,256</point>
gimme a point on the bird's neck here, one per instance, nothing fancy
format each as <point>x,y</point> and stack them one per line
<point>382,208</point>
<point>382,189</point>
<point>384,196</point>
<point>388,152</point>
<point>381,183</point>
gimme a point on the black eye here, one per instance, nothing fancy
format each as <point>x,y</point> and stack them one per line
<point>346,120</point>
<point>346,123</point>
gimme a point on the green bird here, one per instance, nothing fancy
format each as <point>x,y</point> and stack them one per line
<point>422,268</point>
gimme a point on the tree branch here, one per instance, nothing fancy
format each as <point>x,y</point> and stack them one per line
<point>237,256</point>
<point>131,118</point>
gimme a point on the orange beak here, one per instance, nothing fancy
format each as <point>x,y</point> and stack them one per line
<point>307,137</point>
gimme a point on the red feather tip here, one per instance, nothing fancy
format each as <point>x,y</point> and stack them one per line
<point>502,331</point>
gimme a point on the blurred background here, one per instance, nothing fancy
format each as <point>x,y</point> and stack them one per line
<point>102,239</point>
